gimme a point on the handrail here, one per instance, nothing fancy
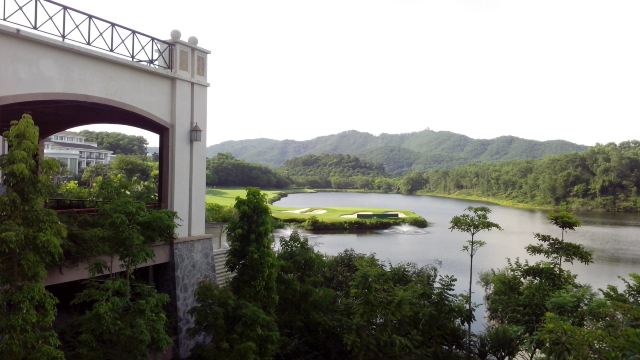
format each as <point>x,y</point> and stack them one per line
<point>69,24</point>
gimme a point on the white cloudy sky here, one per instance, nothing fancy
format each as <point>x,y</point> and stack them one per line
<point>543,69</point>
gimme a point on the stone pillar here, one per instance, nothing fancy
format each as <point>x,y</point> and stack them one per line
<point>193,262</point>
<point>193,250</point>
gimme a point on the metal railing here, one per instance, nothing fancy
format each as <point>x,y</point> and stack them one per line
<point>69,24</point>
<point>81,206</point>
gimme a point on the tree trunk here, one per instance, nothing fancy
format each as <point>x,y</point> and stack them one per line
<point>469,301</point>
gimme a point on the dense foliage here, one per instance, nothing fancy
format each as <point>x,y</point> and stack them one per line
<point>117,142</point>
<point>336,171</point>
<point>118,317</point>
<point>352,306</point>
<point>225,170</point>
<point>603,177</point>
<point>398,152</point>
<point>112,318</point>
<point>30,243</point>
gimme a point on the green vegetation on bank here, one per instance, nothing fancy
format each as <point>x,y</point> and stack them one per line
<point>219,202</point>
<point>605,177</point>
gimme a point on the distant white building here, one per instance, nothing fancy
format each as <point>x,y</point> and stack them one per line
<point>72,149</point>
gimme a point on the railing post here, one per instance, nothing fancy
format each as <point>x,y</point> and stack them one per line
<point>35,17</point>
<point>64,24</point>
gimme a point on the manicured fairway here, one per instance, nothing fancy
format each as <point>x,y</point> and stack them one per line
<point>227,197</point>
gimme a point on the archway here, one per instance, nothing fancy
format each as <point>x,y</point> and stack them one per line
<point>54,113</point>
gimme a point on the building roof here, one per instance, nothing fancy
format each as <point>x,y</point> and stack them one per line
<point>68,133</point>
<point>77,146</point>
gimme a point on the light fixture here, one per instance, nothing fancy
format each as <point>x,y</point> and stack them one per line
<point>196,133</point>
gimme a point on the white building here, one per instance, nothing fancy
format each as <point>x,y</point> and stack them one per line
<point>75,151</point>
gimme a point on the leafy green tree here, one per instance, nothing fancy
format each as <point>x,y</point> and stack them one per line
<point>558,249</point>
<point>30,242</point>
<point>132,166</point>
<point>582,325</point>
<point>475,220</point>
<point>307,312</point>
<point>117,142</point>
<point>239,322</point>
<point>564,220</point>
<point>251,257</point>
<point>124,320</point>
<point>238,329</point>
<point>500,341</point>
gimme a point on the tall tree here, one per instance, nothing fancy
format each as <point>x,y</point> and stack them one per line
<point>251,256</point>
<point>239,321</point>
<point>473,221</point>
<point>30,242</point>
<point>558,249</point>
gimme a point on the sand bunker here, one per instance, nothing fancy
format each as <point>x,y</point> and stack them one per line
<point>317,212</point>
<point>306,211</point>
<point>299,211</point>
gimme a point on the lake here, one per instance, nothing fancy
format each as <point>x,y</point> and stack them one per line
<point>613,238</point>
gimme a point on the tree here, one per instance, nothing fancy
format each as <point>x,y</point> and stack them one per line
<point>474,221</point>
<point>239,322</point>
<point>251,257</point>
<point>30,242</point>
<point>558,249</point>
<point>238,330</point>
<point>117,142</point>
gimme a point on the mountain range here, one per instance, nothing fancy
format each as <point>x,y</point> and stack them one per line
<point>398,153</point>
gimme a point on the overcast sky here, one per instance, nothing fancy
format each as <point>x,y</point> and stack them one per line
<point>299,69</point>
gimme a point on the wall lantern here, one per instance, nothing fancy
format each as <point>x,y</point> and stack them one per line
<point>196,133</point>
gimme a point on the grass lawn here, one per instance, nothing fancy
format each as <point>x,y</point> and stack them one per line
<point>227,197</point>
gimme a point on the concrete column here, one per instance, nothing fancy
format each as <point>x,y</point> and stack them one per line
<point>188,160</point>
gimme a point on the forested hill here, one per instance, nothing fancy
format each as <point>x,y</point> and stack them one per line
<point>603,177</point>
<point>398,152</point>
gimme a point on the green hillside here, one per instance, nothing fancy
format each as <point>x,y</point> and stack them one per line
<point>398,153</point>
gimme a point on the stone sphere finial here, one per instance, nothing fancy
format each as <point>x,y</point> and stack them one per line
<point>193,40</point>
<point>175,35</point>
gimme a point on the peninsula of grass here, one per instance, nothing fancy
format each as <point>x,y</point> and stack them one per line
<point>339,219</point>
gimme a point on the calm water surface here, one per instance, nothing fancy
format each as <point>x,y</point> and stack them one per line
<point>614,239</point>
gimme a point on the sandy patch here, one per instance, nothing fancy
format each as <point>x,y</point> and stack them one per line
<point>397,212</point>
<point>353,216</point>
<point>306,211</point>
<point>317,212</point>
<point>299,211</point>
